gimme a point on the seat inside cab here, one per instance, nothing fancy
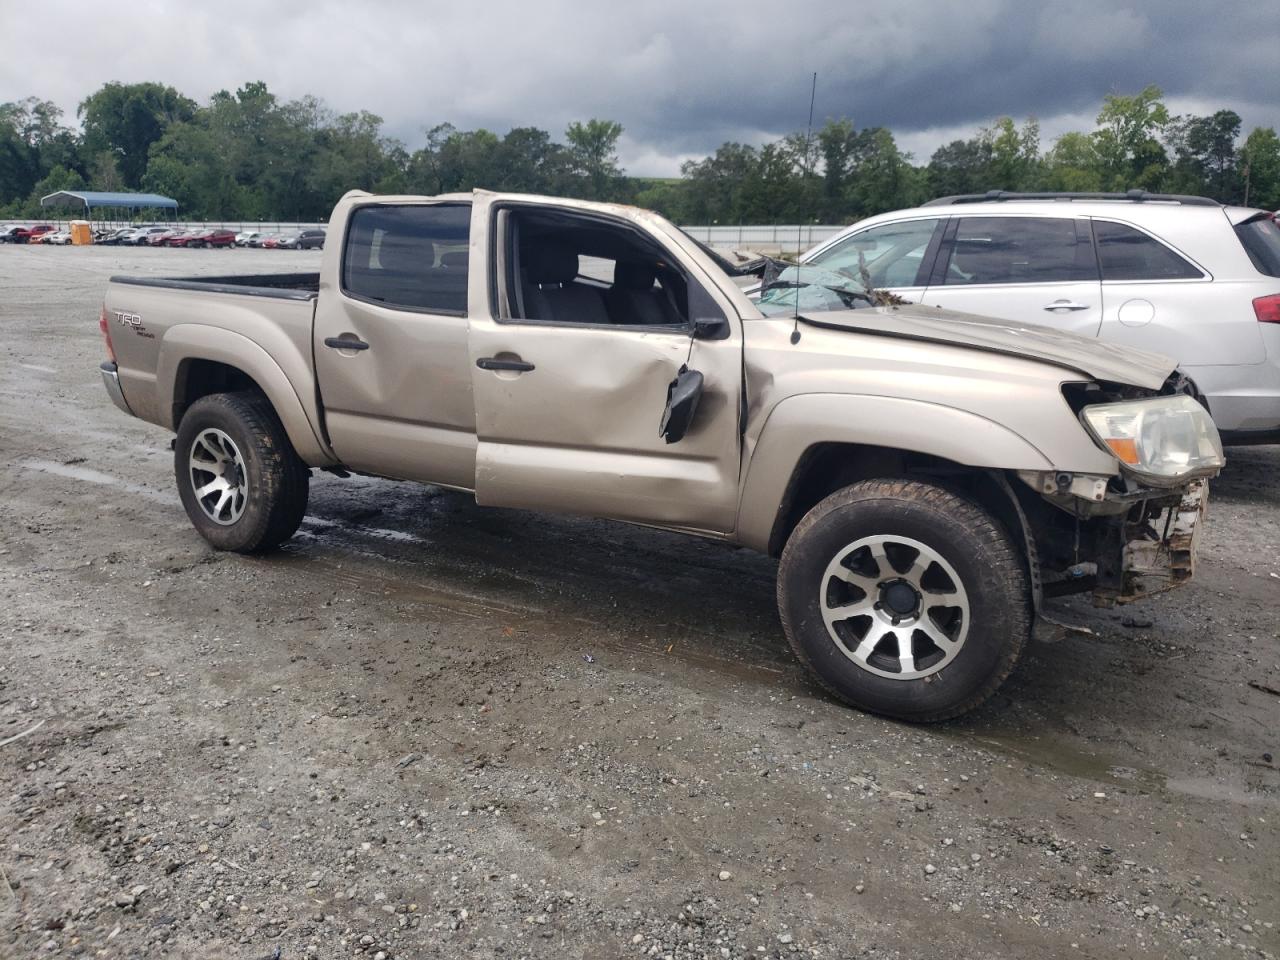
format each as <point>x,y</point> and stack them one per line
<point>563,268</point>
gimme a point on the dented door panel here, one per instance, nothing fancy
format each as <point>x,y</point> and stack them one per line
<point>579,430</point>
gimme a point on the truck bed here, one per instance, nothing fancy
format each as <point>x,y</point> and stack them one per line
<point>282,286</point>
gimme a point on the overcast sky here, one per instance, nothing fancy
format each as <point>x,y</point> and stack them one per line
<point>682,76</point>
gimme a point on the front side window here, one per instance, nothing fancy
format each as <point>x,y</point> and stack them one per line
<point>1020,250</point>
<point>1128,254</point>
<point>893,253</point>
<point>565,267</point>
<point>411,257</point>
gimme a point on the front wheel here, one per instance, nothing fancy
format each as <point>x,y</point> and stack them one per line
<point>241,483</point>
<point>904,599</point>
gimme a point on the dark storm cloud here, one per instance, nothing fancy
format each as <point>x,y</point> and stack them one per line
<point>681,77</point>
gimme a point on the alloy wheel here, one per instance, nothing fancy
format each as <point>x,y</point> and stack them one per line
<point>219,478</point>
<point>894,607</point>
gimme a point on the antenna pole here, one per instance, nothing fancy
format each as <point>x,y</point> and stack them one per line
<point>808,136</point>
<point>804,170</point>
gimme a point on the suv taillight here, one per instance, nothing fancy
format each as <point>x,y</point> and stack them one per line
<point>106,334</point>
<point>1267,309</point>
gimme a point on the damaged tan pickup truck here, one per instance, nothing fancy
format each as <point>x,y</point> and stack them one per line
<point>928,478</point>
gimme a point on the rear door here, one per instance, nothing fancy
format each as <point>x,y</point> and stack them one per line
<point>1039,270</point>
<point>390,344</point>
<point>1157,299</point>
<point>568,406</point>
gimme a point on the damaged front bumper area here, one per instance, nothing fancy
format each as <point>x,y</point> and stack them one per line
<point>1159,552</point>
<point>1120,546</point>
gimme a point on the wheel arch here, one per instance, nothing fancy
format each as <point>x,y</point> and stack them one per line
<point>814,444</point>
<point>196,360</point>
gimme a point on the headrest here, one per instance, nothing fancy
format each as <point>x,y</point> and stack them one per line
<point>405,255</point>
<point>552,263</point>
<point>633,275</point>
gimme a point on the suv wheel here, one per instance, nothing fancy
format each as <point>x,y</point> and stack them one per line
<point>904,599</point>
<point>241,483</point>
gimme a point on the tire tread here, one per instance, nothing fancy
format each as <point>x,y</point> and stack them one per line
<point>985,529</point>
<point>286,477</point>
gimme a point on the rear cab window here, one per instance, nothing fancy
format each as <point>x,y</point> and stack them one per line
<point>1126,253</point>
<point>409,257</point>
<point>1003,250</point>
<point>1260,237</point>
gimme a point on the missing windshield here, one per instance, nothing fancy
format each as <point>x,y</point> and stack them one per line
<point>789,288</point>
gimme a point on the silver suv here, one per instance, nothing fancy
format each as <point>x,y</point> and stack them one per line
<point>1183,276</point>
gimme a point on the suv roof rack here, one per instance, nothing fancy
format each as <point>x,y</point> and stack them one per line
<point>1135,196</point>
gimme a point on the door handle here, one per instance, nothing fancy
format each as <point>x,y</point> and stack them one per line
<point>1066,305</point>
<point>493,363</point>
<point>343,343</point>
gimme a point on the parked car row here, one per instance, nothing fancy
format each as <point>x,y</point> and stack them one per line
<point>19,234</point>
<point>303,240</point>
<point>170,236</point>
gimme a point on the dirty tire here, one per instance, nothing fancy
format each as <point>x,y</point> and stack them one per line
<point>971,541</point>
<point>275,477</point>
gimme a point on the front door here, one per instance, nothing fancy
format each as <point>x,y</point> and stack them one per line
<point>570,369</point>
<point>1038,270</point>
<point>390,344</point>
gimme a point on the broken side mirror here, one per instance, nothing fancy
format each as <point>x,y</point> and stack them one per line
<point>682,403</point>
<point>710,328</point>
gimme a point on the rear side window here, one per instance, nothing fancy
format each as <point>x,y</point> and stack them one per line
<point>1128,254</point>
<point>1020,250</point>
<point>410,257</point>
<point>1261,240</point>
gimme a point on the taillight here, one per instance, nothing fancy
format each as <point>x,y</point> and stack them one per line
<point>1267,309</point>
<point>106,334</point>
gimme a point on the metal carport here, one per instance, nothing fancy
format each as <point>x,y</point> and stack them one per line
<point>90,201</point>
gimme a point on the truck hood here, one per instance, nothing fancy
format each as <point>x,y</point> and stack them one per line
<point>1094,359</point>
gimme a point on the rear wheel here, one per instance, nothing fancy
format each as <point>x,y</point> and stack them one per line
<point>241,483</point>
<point>904,599</point>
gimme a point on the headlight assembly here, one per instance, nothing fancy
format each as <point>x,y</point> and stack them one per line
<point>1162,439</point>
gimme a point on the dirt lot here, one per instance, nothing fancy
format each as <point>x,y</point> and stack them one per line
<point>430,730</point>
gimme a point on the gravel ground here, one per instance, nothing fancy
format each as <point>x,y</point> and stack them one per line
<point>425,729</point>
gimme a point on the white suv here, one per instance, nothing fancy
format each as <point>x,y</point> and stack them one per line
<point>1183,276</point>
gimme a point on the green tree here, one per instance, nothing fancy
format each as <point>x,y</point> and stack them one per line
<point>33,142</point>
<point>58,178</point>
<point>593,154</point>
<point>1072,165</point>
<point>1014,154</point>
<point>715,188</point>
<point>1260,168</point>
<point>885,178</point>
<point>1204,150</point>
<point>959,167</point>
<point>840,147</point>
<point>1127,141</point>
<point>126,119</point>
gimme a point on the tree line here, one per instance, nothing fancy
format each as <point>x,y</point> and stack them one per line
<point>248,155</point>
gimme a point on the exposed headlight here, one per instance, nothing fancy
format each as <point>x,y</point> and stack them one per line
<point>1163,438</point>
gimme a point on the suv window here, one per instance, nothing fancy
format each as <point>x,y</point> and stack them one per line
<point>893,253</point>
<point>1128,254</point>
<point>1261,240</point>
<point>412,257</point>
<point>1020,250</point>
